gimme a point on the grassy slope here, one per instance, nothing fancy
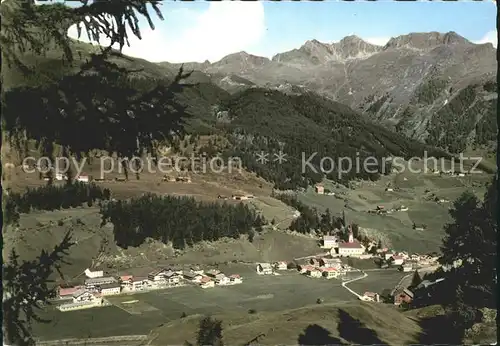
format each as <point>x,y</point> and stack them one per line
<point>328,324</point>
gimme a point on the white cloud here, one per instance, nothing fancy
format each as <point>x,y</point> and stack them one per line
<point>222,29</point>
<point>489,37</point>
<point>379,41</point>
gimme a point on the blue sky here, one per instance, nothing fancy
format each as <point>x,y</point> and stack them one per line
<point>198,31</point>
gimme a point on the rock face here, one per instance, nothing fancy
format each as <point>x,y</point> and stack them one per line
<point>420,84</point>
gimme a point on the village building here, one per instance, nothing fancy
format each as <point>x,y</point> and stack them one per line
<point>83,296</point>
<point>67,292</point>
<point>419,227</point>
<point>93,283</point>
<point>407,267</point>
<point>396,260</point>
<point>280,265</point>
<point>314,273</point>
<point>110,289</point>
<point>157,276</point>
<point>206,282</point>
<point>388,255</point>
<point>197,270</point>
<point>94,274</point>
<point>320,189</point>
<point>371,297</point>
<point>235,279</point>
<point>330,241</point>
<point>193,277</point>
<point>389,189</point>
<point>264,269</point>
<point>314,262</point>
<point>331,273</point>
<point>350,248</point>
<point>139,283</point>
<point>403,296</point>
<point>304,268</point>
<point>330,262</point>
<point>222,280</point>
<point>213,272</point>
<point>172,278</point>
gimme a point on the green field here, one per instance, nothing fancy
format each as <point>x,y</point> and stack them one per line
<point>261,293</point>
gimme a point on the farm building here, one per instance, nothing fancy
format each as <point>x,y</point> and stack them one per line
<point>264,269</point>
<point>111,289</point>
<point>235,279</point>
<point>280,265</point>
<point>314,261</point>
<point>213,273</point>
<point>320,189</point>
<point>330,241</point>
<point>192,276</point>
<point>157,275</point>
<point>172,278</point>
<point>403,296</point>
<point>407,267</point>
<point>304,268</point>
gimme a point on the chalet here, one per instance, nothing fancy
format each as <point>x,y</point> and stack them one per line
<point>388,255</point>
<point>331,273</point>
<point>329,193</point>
<point>404,296</point>
<point>280,265</point>
<point>240,197</point>
<point>126,278</point>
<point>330,262</point>
<point>350,248</point>
<point>96,282</point>
<point>389,189</point>
<point>371,297</point>
<point>380,207</point>
<point>396,260</point>
<point>172,278</point>
<point>157,275</point>
<point>110,289</point>
<point>83,296</point>
<point>264,269</point>
<point>235,279</point>
<point>330,241</point>
<point>314,273</point>
<point>206,282</point>
<point>193,277</point>
<point>403,208</point>
<point>320,189</point>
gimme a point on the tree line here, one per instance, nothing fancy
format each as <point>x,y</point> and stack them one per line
<point>52,197</point>
<point>309,218</point>
<point>182,221</point>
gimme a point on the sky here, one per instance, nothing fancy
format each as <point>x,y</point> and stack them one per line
<point>199,30</point>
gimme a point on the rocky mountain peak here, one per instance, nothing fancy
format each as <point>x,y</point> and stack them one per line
<point>425,40</point>
<point>354,47</point>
